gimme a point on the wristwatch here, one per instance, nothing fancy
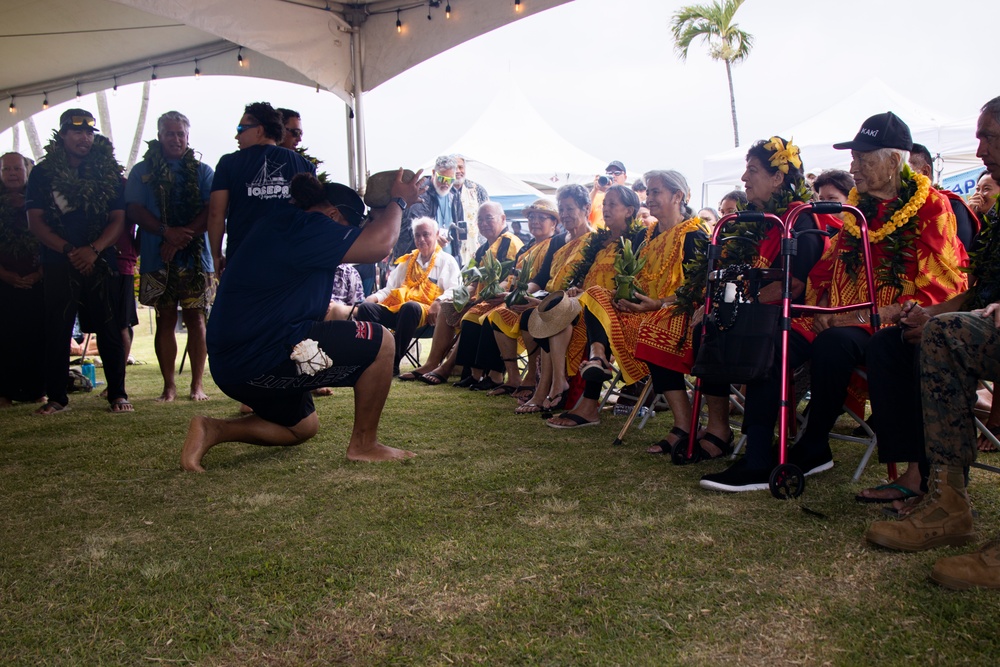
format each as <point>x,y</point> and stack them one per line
<point>400,202</point>
<point>68,248</point>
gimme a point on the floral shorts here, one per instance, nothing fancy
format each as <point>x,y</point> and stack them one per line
<point>170,286</point>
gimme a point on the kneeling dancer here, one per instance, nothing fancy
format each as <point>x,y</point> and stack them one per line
<point>268,345</point>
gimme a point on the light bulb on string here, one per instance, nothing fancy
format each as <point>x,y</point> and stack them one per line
<point>517,6</point>
<point>239,58</point>
<point>197,72</point>
<point>153,77</point>
<point>399,24</point>
<point>78,91</point>
<point>45,101</point>
<point>447,11</point>
<point>13,107</point>
<point>428,10</point>
<point>114,89</point>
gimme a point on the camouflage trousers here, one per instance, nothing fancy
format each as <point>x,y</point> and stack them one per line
<point>956,351</point>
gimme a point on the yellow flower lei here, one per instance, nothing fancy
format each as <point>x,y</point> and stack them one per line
<point>783,154</point>
<point>898,219</point>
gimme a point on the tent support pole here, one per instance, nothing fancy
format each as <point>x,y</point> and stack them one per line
<point>352,173</point>
<point>359,113</point>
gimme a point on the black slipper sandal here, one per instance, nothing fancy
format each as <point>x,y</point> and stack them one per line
<point>432,378</point>
<point>410,377</point>
<point>665,445</point>
<point>486,384</point>
<point>465,382</point>
<point>578,421</point>
<point>560,401</point>
<point>502,390</point>
<point>527,389</point>
<point>725,448</point>
<point>596,370</point>
<point>904,494</point>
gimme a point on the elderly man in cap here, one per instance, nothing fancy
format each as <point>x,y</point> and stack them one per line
<point>443,203</point>
<point>414,291</point>
<point>75,208</point>
<point>956,350</point>
<point>917,258</point>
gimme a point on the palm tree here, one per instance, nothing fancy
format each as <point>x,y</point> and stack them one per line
<point>726,42</point>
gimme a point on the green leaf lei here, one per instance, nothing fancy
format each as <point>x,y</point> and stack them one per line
<point>636,231</point>
<point>984,263</point>
<point>174,211</point>
<point>88,189</point>
<point>321,176</point>
<point>898,246</point>
<point>15,239</point>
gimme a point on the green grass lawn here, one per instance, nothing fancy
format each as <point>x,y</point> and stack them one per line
<point>502,543</point>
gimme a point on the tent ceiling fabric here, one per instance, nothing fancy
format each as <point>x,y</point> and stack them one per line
<point>57,43</point>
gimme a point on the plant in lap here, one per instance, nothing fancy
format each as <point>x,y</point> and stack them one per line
<point>628,264</point>
<point>488,276</point>
<point>519,294</point>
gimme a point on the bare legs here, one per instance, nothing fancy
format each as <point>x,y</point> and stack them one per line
<point>165,343</point>
<point>370,392</point>
<point>441,358</point>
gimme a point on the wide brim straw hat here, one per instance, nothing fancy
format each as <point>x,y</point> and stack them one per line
<point>556,312</point>
<point>543,206</point>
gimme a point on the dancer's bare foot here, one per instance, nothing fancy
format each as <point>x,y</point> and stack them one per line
<point>168,395</point>
<point>198,394</point>
<point>323,391</point>
<point>196,444</point>
<point>377,452</point>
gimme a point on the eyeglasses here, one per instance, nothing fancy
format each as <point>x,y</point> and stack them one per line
<point>444,180</point>
<point>241,128</point>
<point>295,133</point>
<point>80,122</point>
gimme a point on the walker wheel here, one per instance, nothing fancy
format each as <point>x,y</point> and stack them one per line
<point>679,453</point>
<point>787,481</point>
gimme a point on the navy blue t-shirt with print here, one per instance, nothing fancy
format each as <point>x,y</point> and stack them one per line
<point>257,179</point>
<point>273,292</point>
<point>73,225</point>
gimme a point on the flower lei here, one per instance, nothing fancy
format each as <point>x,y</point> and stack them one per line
<point>174,211</point>
<point>898,233</point>
<point>595,244</point>
<point>15,240</point>
<point>983,264</point>
<point>88,189</point>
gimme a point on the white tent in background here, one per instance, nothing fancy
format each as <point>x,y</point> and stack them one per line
<point>511,136</point>
<point>839,122</point>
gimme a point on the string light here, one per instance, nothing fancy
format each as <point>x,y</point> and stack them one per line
<point>317,87</point>
<point>13,107</point>
<point>239,58</point>
<point>197,72</point>
<point>517,5</point>
<point>114,90</point>
<point>45,101</point>
<point>447,10</point>
<point>428,11</point>
<point>399,24</point>
<point>78,89</point>
<point>153,77</point>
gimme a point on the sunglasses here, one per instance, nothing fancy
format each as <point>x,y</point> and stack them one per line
<point>614,174</point>
<point>241,128</point>
<point>295,133</point>
<point>80,121</point>
<point>444,180</point>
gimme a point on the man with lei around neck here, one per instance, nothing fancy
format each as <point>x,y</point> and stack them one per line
<point>957,348</point>
<point>916,257</point>
<point>75,208</point>
<point>414,291</point>
<point>167,196</point>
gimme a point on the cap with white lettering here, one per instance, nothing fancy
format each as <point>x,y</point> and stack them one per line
<point>884,130</point>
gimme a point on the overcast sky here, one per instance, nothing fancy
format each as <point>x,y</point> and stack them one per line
<point>605,75</point>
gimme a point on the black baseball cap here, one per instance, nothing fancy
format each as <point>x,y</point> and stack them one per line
<point>347,201</point>
<point>884,130</point>
<point>77,118</point>
<point>616,166</point>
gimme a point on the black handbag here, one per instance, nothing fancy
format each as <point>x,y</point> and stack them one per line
<point>740,334</point>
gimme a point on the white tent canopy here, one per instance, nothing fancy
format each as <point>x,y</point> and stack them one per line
<point>54,48</point>
<point>840,122</point>
<point>512,136</point>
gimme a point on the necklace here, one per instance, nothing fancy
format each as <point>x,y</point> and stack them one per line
<point>15,239</point>
<point>87,189</point>
<point>901,217</point>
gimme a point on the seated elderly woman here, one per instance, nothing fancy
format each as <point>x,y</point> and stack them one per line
<point>565,252</point>
<point>774,184</point>
<point>596,270</point>
<point>917,257</point>
<point>268,344</point>
<point>414,291</point>
<point>503,246</point>
<point>477,344</point>
<point>613,323</point>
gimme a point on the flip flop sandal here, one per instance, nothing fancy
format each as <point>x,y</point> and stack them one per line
<point>528,409</point>
<point>410,376</point>
<point>905,494</point>
<point>502,390</point>
<point>486,384</point>
<point>432,378</point>
<point>725,447</point>
<point>120,406</point>
<point>596,370</point>
<point>665,446</point>
<point>528,389</point>
<point>578,421</point>
<point>51,408</point>
<point>560,401</point>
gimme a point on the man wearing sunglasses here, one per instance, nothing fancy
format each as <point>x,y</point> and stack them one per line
<point>292,120</point>
<point>76,209</point>
<point>252,182</point>
<point>442,203</point>
<point>613,175</point>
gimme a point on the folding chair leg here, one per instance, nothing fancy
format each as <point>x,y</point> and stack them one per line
<point>635,411</point>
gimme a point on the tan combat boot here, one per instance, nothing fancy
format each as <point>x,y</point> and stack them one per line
<point>980,569</point>
<point>942,518</point>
